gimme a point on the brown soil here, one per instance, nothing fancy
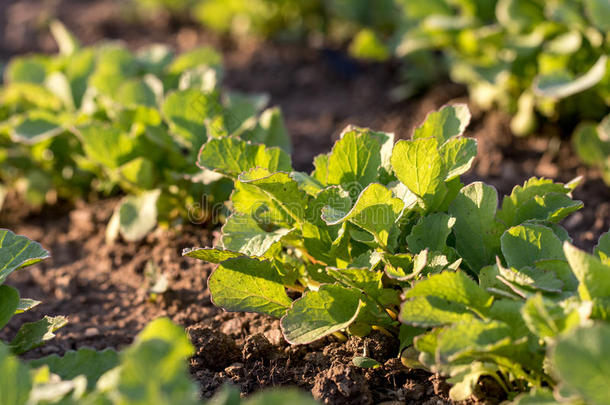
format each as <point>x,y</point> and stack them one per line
<point>103,289</point>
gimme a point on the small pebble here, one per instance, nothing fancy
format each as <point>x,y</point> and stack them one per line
<point>92,332</point>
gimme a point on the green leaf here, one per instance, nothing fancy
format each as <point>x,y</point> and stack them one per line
<point>78,71</point>
<point>320,173</point>
<point>204,56</point>
<point>362,279</point>
<point>535,397</point>
<point>319,313</point>
<point>85,361</point>
<point>231,156</point>
<point>136,92</point>
<point>578,365</point>
<point>59,84</point>
<point>367,45</point>
<point>16,383</point>
<point>251,285</point>
<point>533,189</point>
<point>476,336</point>
<point>161,349</point>
<point>280,189</point>
<point>458,155</point>
<point>275,132</point>
<point>598,12</point>
<point>365,362</point>
<point>551,207</point>
<point>36,127</point>
<point>509,312</point>
<point>593,276</point>
<point>518,15</point>
<point>115,64</point>
<point>68,44</point>
<point>29,69</point>
<point>451,120</point>
<point>212,255</point>
<point>419,166</point>
<point>433,311</point>
<point>17,252</point>
<point>140,172</point>
<point>591,149</point>
<point>354,161</point>
<point>526,244</point>
<point>454,287</point>
<point>25,304</point>
<point>239,114</point>
<point>186,112</point>
<point>33,334</point>
<point>602,249</point>
<point>9,302</point>
<point>421,238</point>
<point>532,278</point>
<point>558,85</point>
<point>243,234</point>
<point>376,211</point>
<point>306,183</point>
<point>546,319</point>
<point>138,215</point>
<point>106,145</point>
<point>476,230</point>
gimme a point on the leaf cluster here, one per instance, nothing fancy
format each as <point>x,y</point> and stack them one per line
<point>104,119</point>
<point>382,228</point>
<point>530,58</point>
<point>17,252</point>
<point>152,371</point>
<point>537,60</point>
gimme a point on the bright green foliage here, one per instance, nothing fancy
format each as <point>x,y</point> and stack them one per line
<point>319,313</point>
<point>152,371</point>
<point>578,362</point>
<point>592,143</point>
<point>33,334</point>
<point>372,220</point>
<point>476,228</point>
<point>517,318</point>
<point>245,283</point>
<point>105,120</point>
<point>17,252</point>
<point>15,384</point>
<point>535,59</point>
<point>486,290</point>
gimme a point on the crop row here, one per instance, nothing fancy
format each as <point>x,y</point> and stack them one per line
<point>382,235</point>
<point>103,120</point>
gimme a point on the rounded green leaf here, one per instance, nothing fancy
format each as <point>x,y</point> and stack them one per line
<point>9,301</point>
<point>580,362</point>
<point>250,285</point>
<point>319,313</point>
<point>16,382</point>
<point>526,244</point>
<point>17,252</point>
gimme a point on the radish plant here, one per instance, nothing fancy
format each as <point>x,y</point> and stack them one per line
<point>384,235</point>
<point>105,120</point>
<point>17,252</point>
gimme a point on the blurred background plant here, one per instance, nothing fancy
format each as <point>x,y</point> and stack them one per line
<point>539,61</point>
<point>103,120</point>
